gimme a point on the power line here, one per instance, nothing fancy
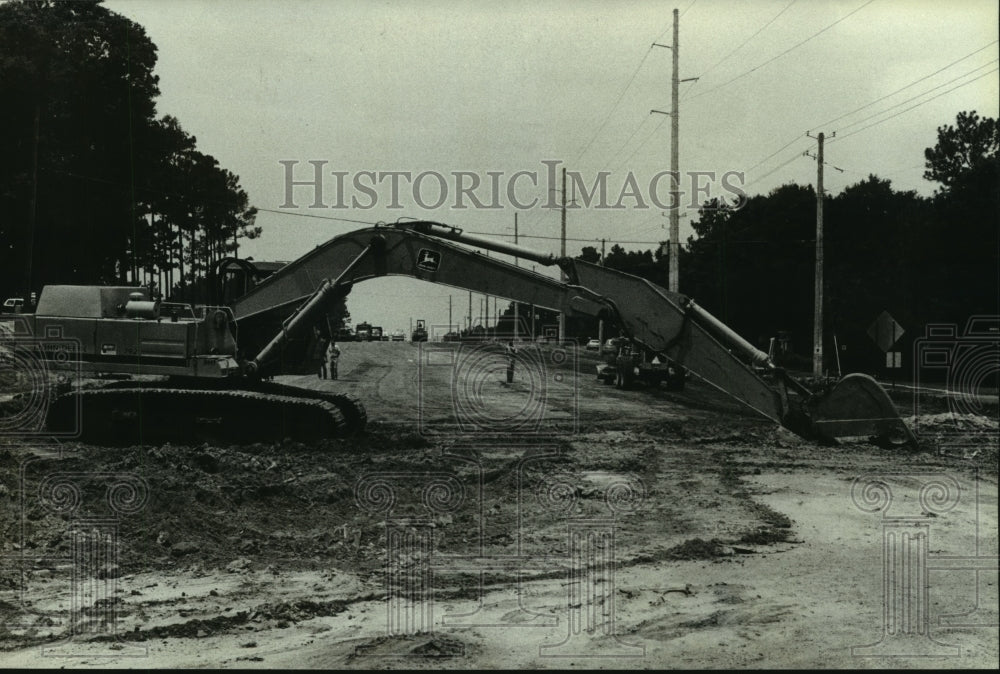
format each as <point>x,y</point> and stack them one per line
<point>797,139</point>
<point>520,235</point>
<point>775,169</point>
<point>644,141</point>
<point>917,81</point>
<point>557,238</point>
<point>923,93</point>
<point>841,137</point>
<point>319,217</point>
<point>626,143</point>
<point>916,106</point>
<point>775,58</point>
<point>628,140</point>
<point>614,106</point>
<point>743,44</point>
<point>618,100</point>
<point>684,11</point>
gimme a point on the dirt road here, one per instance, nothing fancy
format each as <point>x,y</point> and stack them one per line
<point>551,522</point>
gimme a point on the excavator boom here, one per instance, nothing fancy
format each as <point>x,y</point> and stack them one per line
<point>666,323</point>
<point>219,359</point>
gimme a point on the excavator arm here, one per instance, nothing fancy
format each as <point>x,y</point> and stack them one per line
<point>666,323</point>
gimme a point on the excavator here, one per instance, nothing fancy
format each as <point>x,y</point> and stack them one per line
<point>220,360</point>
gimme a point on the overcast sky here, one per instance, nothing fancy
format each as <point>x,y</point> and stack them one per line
<point>484,86</point>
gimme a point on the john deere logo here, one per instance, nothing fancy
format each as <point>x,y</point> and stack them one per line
<point>428,260</point>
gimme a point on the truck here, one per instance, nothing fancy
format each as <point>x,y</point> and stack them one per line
<point>219,360</point>
<point>630,362</point>
<point>363,332</point>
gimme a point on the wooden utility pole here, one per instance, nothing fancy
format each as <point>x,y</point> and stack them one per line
<point>818,307</point>
<point>675,203</point>
<point>29,279</point>
<point>562,236</point>
<point>449,313</point>
<point>600,323</point>
<point>516,264</point>
<point>562,254</point>
<point>674,247</point>
<point>818,301</point>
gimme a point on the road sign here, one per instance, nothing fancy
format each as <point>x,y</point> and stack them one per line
<point>894,359</point>
<point>884,331</point>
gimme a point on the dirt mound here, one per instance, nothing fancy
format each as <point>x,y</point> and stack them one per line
<point>965,436</point>
<point>432,647</point>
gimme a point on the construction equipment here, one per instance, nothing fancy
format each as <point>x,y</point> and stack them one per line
<point>220,358</point>
<point>671,325</point>
<point>632,362</point>
<point>420,332</point>
<point>211,392</point>
<point>363,332</point>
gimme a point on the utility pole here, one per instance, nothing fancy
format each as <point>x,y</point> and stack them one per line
<point>673,251</point>
<point>449,313</point>
<point>470,311</point>
<point>818,307</point>
<point>675,202</point>
<point>516,264</point>
<point>562,254</point>
<point>33,206</point>
<point>600,322</point>
<point>562,237</point>
<point>818,299</point>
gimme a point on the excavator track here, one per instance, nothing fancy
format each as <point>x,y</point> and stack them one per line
<point>350,406</point>
<point>123,415</point>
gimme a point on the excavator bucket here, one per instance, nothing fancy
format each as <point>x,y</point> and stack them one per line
<point>858,406</point>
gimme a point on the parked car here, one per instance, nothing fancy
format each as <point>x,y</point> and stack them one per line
<point>13,304</point>
<point>594,345</point>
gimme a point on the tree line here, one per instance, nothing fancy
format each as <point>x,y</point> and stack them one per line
<point>95,187</point>
<point>924,260</point>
